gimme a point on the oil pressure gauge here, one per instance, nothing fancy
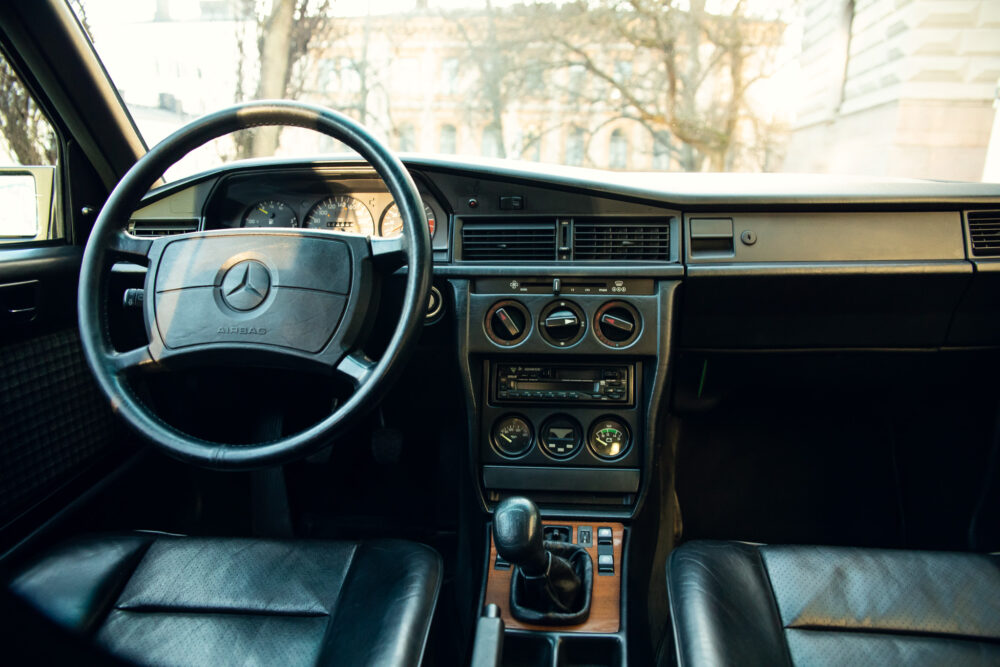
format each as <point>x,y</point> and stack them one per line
<point>512,435</point>
<point>609,438</point>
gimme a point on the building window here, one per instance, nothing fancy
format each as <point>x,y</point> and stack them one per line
<point>618,150</point>
<point>492,142</point>
<point>407,138</point>
<point>623,71</point>
<point>534,81</point>
<point>574,147</point>
<point>577,80</point>
<point>448,139</point>
<point>661,150</point>
<point>449,76</point>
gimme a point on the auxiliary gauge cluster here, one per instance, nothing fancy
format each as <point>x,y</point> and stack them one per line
<point>560,436</point>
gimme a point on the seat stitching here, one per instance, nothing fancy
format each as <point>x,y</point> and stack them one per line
<point>774,602</point>
<point>140,556</point>
<point>168,609</point>
<point>929,634</point>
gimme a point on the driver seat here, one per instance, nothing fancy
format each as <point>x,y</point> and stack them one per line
<point>159,599</point>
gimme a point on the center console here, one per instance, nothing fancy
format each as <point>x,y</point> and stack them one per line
<point>564,336</point>
<point>565,376</point>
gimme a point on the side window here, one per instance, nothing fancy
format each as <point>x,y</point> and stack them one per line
<point>29,152</point>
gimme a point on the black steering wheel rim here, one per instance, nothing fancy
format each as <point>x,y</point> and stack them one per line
<point>107,235</point>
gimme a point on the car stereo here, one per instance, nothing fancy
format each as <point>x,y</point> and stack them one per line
<point>567,383</point>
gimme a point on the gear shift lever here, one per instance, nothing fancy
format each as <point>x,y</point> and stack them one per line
<point>551,583</point>
<point>518,535</point>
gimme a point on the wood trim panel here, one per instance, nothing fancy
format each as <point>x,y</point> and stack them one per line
<point>605,599</point>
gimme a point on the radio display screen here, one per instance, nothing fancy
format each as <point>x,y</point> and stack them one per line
<point>563,385</point>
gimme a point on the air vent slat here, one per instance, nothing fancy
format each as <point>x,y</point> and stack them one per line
<point>508,241</point>
<point>984,231</point>
<point>158,228</point>
<point>622,241</point>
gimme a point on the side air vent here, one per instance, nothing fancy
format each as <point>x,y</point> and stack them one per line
<point>156,228</point>
<point>984,231</point>
<point>508,241</point>
<point>647,240</point>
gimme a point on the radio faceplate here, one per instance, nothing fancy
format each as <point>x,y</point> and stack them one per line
<point>610,384</point>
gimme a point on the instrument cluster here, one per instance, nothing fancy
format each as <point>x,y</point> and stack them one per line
<point>345,203</point>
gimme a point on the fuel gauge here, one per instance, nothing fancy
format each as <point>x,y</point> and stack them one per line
<point>270,213</point>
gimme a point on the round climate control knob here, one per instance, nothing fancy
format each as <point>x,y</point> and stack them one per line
<point>617,324</point>
<point>562,323</point>
<point>507,322</point>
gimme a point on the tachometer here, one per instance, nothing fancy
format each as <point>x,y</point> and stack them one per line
<point>270,213</point>
<point>343,214</point>
<point>392,221</point>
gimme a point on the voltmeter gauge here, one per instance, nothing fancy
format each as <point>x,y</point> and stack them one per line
<point>512,435</point>
<point>609,438</point>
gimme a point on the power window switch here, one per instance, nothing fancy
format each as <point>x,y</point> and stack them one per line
<point>606,564</point>
<point>501,564</point>
<point>604,535</point>
<point>585,536</point>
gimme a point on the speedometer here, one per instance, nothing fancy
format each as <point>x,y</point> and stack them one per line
<point>343,214</point>
<point>392,221</point>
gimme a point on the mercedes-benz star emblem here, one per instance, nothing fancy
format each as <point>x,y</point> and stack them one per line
<point>246,285</point>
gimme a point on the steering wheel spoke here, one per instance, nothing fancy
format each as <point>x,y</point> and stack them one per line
<point>389,253</point>
<point>357,367</point>
<point>123,362</point>
<point>132,248</point>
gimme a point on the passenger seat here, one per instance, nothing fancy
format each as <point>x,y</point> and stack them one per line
<point>734,603</point>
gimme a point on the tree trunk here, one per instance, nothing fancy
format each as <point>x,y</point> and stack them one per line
<point>276,41</point>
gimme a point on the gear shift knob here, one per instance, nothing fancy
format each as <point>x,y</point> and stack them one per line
<point>518,535</point>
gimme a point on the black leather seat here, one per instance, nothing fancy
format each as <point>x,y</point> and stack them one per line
<point>156,599</point>
<point>734,603</point>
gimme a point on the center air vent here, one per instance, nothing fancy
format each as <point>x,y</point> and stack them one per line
<point>622,241</point>
<point>984,231</point>
<point>156,228</point>
<point>511,241</point>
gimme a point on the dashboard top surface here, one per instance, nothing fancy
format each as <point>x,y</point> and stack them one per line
<point>674,188</point>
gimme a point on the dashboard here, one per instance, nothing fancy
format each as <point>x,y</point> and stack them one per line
<point>570,292</point>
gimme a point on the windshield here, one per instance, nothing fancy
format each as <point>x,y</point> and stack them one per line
<point>875,88</point>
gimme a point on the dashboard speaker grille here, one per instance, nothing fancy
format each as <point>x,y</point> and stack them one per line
<point>984,231</point>
<point>622,241</point>
<point>525,241</point>
<point>156,228</point>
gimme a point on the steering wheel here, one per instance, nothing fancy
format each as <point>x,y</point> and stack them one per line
<point>289,298</point>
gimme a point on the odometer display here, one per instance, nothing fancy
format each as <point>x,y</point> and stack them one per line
<point>341,213</point>
<point>392,222</point>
